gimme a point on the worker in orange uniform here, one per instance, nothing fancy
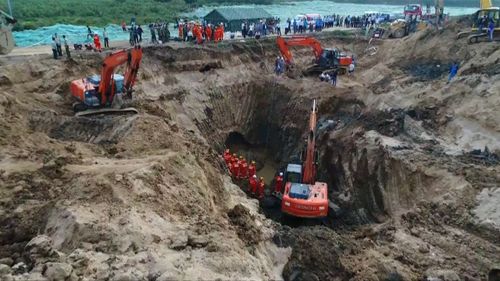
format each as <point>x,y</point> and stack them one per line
<point>97,43</point>
<point>208,32</point>
<point>197,33</point>
<point>181,31</point>
<point>252,182</point>
<point>227,157</point>
<point>243,169</point>
<point>278,187</point>
<point>251,169</point>
<point>261,188</point>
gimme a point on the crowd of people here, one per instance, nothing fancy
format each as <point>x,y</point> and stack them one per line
<point>200,32</point>
<point>303,25</point>
<point>245,172</point>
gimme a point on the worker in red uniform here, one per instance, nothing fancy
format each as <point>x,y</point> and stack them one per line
<point>227,157</point>
<point>279,183</point>
<point>236,168</point>
<point>243,169</point>
<point>198,34</point>
<point>261,187</point>
<point>97,43</point>
<point>251,169</point>
<point>234,158</point>
<point>230,168</point>
<point>252,182</point>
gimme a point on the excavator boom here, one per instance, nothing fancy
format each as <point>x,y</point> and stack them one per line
<point>309,163</point>
<point>132,58</point>
<point>283,45</point>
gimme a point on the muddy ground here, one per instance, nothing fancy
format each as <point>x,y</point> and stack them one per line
<point>411,161</point>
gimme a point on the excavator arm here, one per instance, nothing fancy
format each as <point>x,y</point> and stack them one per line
<point>309,165</point>
<point>133,59</point>
<point>132,69</point>
<point>284,43</point>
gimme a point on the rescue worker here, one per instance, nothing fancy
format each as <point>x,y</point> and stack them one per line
<point>252,182</point>
<point>208,32</point>
<point>97,42</point>
<point>279,183</point>
<point>491,29</point>
<point>251,169</point>
<point>236,169</point>
<point>234,158</point>
<point>243,169</point>
<point>227,157</point>
<point>181,32</point>
<point>261,187</point>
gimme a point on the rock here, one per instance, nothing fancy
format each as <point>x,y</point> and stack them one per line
<point>55,271</point>
<point>7,261</point>
<point>5,269</point>
<point>41,245</point>
<point>20,268</point>
<point>179,242</point>
<point>424,249</point>
<point>442,275</point>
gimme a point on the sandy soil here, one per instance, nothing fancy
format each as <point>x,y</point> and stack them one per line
<point>146,196</point>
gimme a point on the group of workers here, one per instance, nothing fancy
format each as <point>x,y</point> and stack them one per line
<point>241,170</point>
<point>201,33</point>
<point>57,47</point>
<point>489,24</point>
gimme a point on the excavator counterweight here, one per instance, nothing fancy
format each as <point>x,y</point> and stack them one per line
<point>102,93</point>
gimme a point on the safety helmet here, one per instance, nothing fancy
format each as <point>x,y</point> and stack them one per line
<point>281,174</point>
<point>227,150</point>
<point>261,178</point>
<point>253,162</point>
<point>255,176</point>
<point>241,156</point>
<point>234,154</point>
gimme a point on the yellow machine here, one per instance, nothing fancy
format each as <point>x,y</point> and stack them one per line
<point>6,38</point>
<point>481,20</point>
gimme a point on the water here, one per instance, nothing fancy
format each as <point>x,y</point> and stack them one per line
<point>77,34</point>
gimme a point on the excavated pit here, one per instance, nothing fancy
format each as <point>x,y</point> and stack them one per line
<point>150,191</point>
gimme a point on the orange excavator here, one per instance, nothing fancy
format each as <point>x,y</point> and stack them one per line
<point>303,195</point>
<point>103,93</point>
<point>325,59</point>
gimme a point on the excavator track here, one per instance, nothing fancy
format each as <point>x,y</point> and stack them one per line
<point>91,112</point>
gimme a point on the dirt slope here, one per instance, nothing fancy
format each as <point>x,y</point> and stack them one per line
<point>145,197</point>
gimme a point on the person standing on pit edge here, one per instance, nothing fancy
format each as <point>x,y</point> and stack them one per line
<point>58,45</point>
<point>66,46</point>
<point>106,38</point>
<point>54,48</point>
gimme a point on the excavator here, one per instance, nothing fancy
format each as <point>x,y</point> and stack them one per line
<point>303,196</point>
<point>325,59</point>
<point>487,12</point>
<point>103,93</point>
<point>6,39</point>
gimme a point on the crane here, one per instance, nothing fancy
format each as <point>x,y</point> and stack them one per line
<point>6,39</point>
<point>325,59</point>
<point>97,93</point>
<point>488,12</point>
<point>303,196</point>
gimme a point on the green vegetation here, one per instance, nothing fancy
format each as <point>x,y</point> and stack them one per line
<point>36,13</point>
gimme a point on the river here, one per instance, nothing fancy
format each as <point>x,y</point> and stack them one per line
<point>76,33</point>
